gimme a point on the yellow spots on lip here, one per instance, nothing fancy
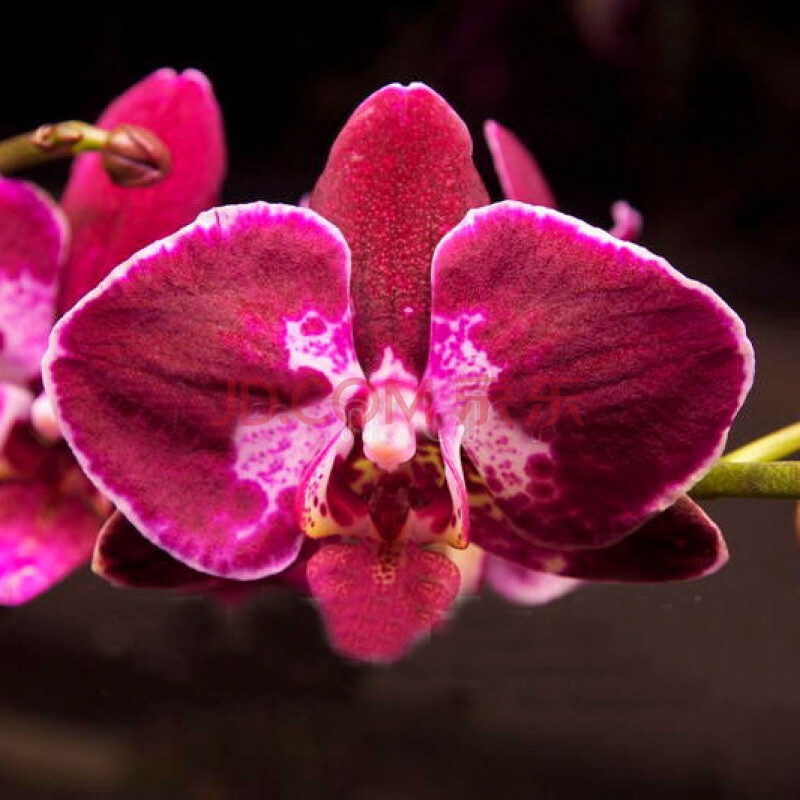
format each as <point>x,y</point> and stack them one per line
<point>456,539</point>
<point>364,473</point>
<point>428,454</point>
<point>359,499</point>
<point>315,525</point>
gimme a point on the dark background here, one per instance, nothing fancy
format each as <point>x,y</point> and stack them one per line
<point>691,110</point>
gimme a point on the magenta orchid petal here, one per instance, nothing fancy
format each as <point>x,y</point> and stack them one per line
<point>527,587</point>
<point>608,380</point>
<point>627,222</point>
<point>34,237</point>
<point>457,531</point>
<point>43,419</point>
<point>123,557</point>
<point>377,603</point>
<point>317,515</point>
<point>517,170</point>
<point>677,544</point>
<point>214,344</point>
<point>399,176</point>
<point>522,179</point>
<point>43,537</point>
<point>110,222</point>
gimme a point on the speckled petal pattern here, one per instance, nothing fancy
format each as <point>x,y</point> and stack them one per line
<point>184,382</point>
<point>609,380</point>
<point>377,603</point>
<point>124,558</point>
<point>399,176</point>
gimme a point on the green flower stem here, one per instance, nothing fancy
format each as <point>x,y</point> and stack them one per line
<point>771,447</point>
<point>48,143</point>
<point>736,479</point>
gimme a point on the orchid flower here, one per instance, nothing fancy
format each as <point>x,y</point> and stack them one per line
<point>395,372</point>
<point>50,513</point>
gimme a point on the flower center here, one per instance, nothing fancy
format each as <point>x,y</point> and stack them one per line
<point>395,415</point>
<point>412,503</point>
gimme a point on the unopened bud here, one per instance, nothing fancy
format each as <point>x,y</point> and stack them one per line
<point>135,157</point>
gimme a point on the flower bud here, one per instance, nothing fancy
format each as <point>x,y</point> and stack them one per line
<point>135,157</point>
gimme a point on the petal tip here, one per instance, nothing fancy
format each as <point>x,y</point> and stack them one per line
<point>519,173</point>
<point>722,557</point>
<point>197,77</point>
<point>378,606</point>
<point>627,221</point>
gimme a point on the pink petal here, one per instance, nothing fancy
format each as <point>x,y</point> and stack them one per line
<point>43,419</point>
<point>399,176</point>
<point>520,175</point>
<point>194,383</point>
<point>111,223</point>
<point>15,405</point>
<point>627,222</point>
<point>317,514</point>
<point>457,531</point>
<point>123,557</point>
<point>471,563</point>
<point>33,241</point>
<point>522,179</point>
<point>43,537</point>
<point>378,603</point>
<point>677,544</point>
<point>606,380</point>
<point>526,587</point>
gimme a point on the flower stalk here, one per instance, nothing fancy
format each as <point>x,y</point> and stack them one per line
<point>772,447</point>
<point>756,469</point>
<point>779,479</point>
<point>131,156</point>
